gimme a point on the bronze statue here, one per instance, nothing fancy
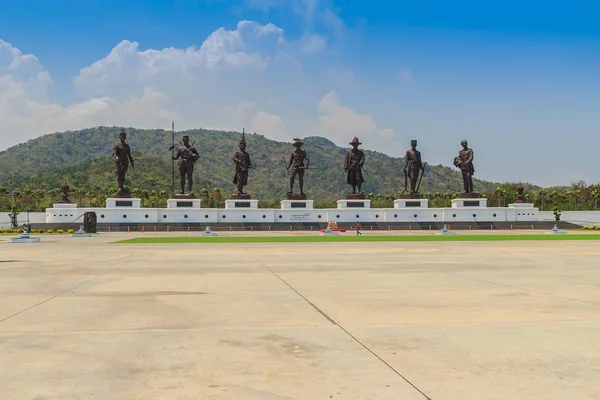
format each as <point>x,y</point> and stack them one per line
<point>242,164</point>
<point>64,196</point>
<point>464,162</point>
<point>298,166</point>
<point>187,156</point>
<point>122,155</point>
<point>353,165</point>
<point>412,168</point>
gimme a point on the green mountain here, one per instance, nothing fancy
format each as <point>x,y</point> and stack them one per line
<point>84,158</point>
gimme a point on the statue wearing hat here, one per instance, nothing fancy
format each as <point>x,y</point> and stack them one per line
<point>412,167</point>
<point>297,164</point>
<point>187,156</point>
<point>464,162</point>
<point>122,155</point>
<point>242,164</point>
<point>353,164</point>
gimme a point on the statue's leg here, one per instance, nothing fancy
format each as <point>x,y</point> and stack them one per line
<point>292,179</point>
<point>465,182</point>
<point>301,181</point>
<point>190,174</point>
<point>182,180</point>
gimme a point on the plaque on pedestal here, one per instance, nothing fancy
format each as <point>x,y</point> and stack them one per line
<point>182,202</point>
<point>411,201</point>
<point>351,203</point>
<point>469,200</point>
<point>297,204</point>
<point>247,203</point>
<point>120,202</point>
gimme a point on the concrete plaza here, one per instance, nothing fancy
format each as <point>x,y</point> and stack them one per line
<point>81,318</point>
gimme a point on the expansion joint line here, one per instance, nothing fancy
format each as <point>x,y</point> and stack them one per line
<point>66,291</point>
<point>328,318</point>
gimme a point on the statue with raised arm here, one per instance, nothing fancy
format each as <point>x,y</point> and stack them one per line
<point>297,165</point>
<point>187,156</point>
<point>242,164</point>
<point>353,165</point>
<point>464,162</point>
<point>122,155</point>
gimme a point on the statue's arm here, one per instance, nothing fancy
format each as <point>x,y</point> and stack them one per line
<point>347,162</point>
<point>307,159</point>
<point>471,156</point>
<point>291,160</point>
<point>362,159</point>
<point>129,156</point>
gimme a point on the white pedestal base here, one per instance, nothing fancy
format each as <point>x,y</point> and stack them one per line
<point>24,240</point>
<point>462,203</point>
<point>411,203</point>
<point>360,203</point>
<point>297,204</point>
<point>250,204</point>
<point>183,203</point>
<point>522,205</point>
<point>64,205</point>
<point>123,203</point>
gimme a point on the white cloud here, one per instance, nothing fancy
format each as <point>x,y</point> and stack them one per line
<point>143,88</point>
<point>248,115</point>
<point>313,43</point>
<point>341,124</point>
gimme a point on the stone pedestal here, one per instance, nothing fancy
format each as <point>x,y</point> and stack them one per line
<point>522,205</point>
<point>118,202</point>
<point>464,202</point>
<point>351,203</point>
<point>411,203</point>
<point>183,202</point>
<point>24,238</point>
<point>297,204</point>
<point>240,203</point>
<point>64,205</point>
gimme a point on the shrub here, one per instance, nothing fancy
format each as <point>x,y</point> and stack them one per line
<point>50,231</point>
<point>60,231</point>
<point>597,227</point>
<point>71,231</point>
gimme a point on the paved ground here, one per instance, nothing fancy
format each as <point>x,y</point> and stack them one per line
<point>85,319</point>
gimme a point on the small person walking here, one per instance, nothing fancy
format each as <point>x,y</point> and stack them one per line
<point>358,229</point>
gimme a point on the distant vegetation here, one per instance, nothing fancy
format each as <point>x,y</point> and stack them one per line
<point>32,172</point>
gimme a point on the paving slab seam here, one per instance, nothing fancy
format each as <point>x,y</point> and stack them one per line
<point>66,291</point>
<point>339,326</point>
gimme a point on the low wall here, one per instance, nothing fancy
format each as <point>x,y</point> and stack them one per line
<point>575,217</point>
<point>34,218</point>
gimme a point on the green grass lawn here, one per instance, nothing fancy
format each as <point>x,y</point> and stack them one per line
<point>320,239</point>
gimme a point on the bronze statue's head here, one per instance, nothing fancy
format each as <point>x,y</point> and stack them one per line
<point>413,143</point>
<point>122,134</point>
<point>355,142</point>
<point>243,140</point>
<point>464,143</point>
<point>298,143</point>
<point>185,139</point>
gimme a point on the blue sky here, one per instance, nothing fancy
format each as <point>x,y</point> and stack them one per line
<point>519,80</point>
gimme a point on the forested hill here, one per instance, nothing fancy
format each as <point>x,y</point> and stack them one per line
<point>84,158</point>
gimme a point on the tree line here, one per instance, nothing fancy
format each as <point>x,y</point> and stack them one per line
<point>579,196</point>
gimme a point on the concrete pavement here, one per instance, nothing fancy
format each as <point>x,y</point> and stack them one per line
<point>86,319</point>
